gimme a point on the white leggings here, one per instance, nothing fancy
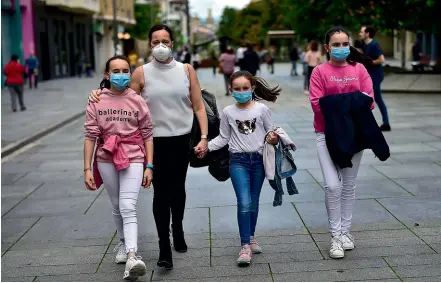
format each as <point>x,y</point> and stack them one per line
<point>339,188</point>
<point>123,189</point>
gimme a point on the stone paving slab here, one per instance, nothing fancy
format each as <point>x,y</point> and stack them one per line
<point>367,274</point>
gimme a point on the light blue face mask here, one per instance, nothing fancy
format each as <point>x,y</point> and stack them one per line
<point>120,80</point>
<point>340,53</point>
<point>242,96</point>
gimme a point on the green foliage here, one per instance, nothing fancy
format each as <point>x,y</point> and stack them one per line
<point>143,24</point>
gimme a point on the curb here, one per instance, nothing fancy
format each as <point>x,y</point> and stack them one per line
<point>14,146</point>
<point>406,91</point>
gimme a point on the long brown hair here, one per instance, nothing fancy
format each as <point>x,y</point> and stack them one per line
<point>262,90</point>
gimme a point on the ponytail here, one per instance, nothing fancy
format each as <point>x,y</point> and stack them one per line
<point>357,57</point>
<point>262,90</point>
<point>105,83</point>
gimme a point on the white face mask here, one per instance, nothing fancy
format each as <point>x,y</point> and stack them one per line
<point>161,52</point>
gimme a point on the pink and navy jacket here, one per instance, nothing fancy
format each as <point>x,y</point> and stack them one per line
<point>122,124</point>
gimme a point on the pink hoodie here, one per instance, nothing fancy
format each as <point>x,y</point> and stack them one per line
<point>121,115</point>
<point>328,79</point>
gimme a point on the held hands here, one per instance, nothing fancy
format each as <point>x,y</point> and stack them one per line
<point>88,179</point>
<point>272,138</point>
<point>94,96</point>
<point>148,177</point>
<point>201,149</point>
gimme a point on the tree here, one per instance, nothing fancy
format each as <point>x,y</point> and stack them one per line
<point>143,23</point>
<point>227,22</point>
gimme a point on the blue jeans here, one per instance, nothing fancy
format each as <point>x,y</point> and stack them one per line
<point>380,102</point>
<point>247,175</point>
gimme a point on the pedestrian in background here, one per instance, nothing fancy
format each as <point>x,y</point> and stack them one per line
<point>14,72</point>
<point>214,61</point>
<point>32,65</point>
<point>133,58</point>
<point>244,126</point>
<point>313,58</point>
<point>305,68</point>
<point>196,58</point>
<point>294,57</point>
<point>270,59</point>
<point>129,134</point>
<point>227,61</point>
<point>250,61</point>
<point>372,50</point>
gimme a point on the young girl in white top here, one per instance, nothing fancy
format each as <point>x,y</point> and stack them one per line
<point>243,127</point>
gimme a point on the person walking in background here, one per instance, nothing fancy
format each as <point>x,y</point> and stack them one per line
<point>133,57</point>
<point>244,127</point>
<point>313,58</point>
<point>196,58</point>
<point>250,61</point>
<point>372,49</point>
<point>32,65</point>
<point>294,57</point>
<point>14,72</point>
<point>227,62</point>
<point>305,68</point>
<point>416,51</point>
<point>240,53</point>
<point>80,61</point>
<point>271,58</point>
<point>214,61</point>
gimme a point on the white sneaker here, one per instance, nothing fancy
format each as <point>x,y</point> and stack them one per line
<point>336,249</point>
<point>348,241</point>
<point>121,255</point>
<point>135,268</point>
<point>306,92</point>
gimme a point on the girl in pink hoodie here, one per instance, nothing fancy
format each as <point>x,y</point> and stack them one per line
<point>343,73</point>
<point>121,123</point>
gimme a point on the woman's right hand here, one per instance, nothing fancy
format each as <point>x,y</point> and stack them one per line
<point>94,96</point>
<point>89,180</point>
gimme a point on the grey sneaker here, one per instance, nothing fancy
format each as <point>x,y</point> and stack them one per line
<point>336,249</point>
<point>135,268</point>
<point>348,241</point>
<point>121,255</point>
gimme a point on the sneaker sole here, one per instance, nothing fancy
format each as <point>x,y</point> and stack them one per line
<point>135,272</point>
<point>257,252</point>
<point>243,263</point>
<point>120,261</point>
<point>348,248</point>
<point>336,256</point>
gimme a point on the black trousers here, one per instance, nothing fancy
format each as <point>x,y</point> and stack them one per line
<point>310,69</point>
<point>171,159</point>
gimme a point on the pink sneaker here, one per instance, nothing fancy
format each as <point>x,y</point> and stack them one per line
<point>255,248</point>
<point>244,255</point>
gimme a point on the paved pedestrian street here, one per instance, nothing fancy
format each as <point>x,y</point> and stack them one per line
<point>53,229</point>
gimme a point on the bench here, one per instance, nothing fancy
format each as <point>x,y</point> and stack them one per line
<point>424,64</point>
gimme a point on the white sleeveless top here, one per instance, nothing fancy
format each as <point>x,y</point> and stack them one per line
<point>167,93</point>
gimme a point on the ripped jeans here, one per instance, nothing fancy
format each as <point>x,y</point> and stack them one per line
<point>123,190</point>
<point>339,188</point>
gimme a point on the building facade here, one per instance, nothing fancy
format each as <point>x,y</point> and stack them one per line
<point>11,32</point>
<point>104,30</point>
<point>175,14</point>
<point>63,36</point>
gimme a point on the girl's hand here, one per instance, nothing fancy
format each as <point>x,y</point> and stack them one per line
<point>94,96</point>
<point>148,177</point>
<point>272,138</point>
<point>202,148</point>
<point>88,179</point>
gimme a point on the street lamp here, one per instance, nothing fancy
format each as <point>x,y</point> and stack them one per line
<point>115,28</point>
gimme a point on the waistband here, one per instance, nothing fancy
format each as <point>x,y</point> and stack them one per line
<point>246,154</point>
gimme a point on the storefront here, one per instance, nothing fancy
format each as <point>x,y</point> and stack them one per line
<point>64,36</point>
<point>11,32</point>
<point>103,28</point>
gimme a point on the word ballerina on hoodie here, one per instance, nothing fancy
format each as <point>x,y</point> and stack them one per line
<point>243,127</point>
<point>123,160</point>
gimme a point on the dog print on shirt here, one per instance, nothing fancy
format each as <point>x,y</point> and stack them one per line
<point>246,127</point>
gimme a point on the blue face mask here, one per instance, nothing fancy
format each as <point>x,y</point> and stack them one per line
<point>120,80</point>
<point>242,96</point>
<point>340,53</point>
